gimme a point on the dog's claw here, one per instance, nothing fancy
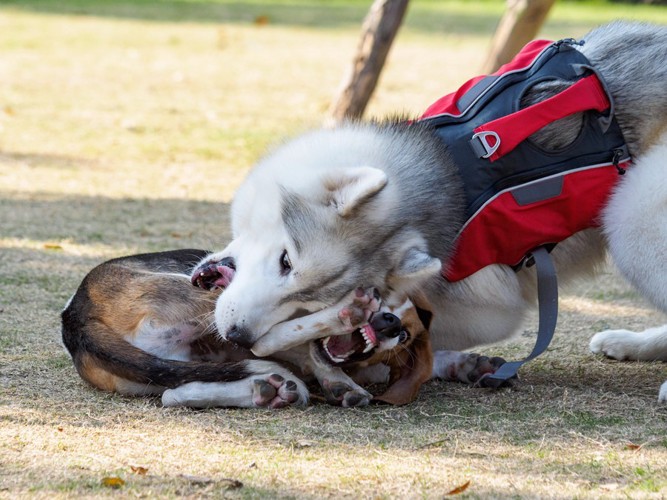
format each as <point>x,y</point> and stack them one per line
<point>275,392</point>
<point>464,367</point>
<point>341,394</point>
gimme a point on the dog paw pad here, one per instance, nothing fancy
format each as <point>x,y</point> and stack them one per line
<point>341,394</point>
<point>467,367</point>
<point>363,304</point>
<point>275,392</point>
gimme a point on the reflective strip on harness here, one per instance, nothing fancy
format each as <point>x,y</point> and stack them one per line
<point>510,222</point>
<point>509,131</point>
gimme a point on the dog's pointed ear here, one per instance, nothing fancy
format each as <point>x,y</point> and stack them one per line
<point>348,188</point>
<point>414,266</point>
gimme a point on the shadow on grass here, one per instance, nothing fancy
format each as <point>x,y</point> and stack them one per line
<point>424,17</point>
<point>151,224</point>
<point>49,160</point>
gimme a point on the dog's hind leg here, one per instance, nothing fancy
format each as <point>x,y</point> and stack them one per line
<point>464,367</point>
<point>635,223</point>
<point>272,386</point>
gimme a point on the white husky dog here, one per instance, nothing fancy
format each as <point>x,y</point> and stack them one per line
<point>382,204</point>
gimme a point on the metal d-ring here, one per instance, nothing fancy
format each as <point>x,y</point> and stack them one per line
<point>483,140</point>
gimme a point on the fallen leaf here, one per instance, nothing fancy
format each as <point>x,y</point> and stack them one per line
<point>632,446</point>
<point>112,482</point>
<point>139,470</point>
<point>262,20</point>
<point>52,246</point>
<point>60,429</point>
<point>459,489</point>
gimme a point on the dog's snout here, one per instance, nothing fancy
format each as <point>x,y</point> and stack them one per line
<point>389,320</point>
<point>239,335</point>
<point>386,324</point>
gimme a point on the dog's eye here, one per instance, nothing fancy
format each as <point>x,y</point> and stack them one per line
<point>285,264</point>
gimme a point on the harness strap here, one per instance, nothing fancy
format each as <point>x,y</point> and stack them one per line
<point>547,296</point>
<point>497,138</point>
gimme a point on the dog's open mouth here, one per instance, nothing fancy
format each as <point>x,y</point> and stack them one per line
<point>214,275</point>
<point>354,346</point>
<point>383,331</point>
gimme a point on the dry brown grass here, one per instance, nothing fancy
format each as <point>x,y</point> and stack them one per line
<point>123,129</point>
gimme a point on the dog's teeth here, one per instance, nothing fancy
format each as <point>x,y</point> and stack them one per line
<point>326,349</point>
<point>369,343</point>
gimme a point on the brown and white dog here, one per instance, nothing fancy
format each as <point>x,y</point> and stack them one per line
<point>138,326</point>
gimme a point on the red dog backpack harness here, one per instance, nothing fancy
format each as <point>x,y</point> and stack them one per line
<point>520,198</point>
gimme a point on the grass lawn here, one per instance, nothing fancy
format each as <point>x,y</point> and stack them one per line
<point>126,127</point>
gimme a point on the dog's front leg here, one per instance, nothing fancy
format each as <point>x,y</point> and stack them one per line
<point>338,388</point>
<point>266,385</point>
<point>344,317</point>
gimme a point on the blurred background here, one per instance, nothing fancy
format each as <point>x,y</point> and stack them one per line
<point>177,98</point>
<point>126,126</point>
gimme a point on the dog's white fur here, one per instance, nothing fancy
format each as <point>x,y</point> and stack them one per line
<point>635,224</point>
<point>335,207</point>
<point>649,345</point>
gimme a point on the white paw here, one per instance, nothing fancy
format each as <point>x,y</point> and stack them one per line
<point>268,386</point>
<point>662,396</point>
<point>616,344</point>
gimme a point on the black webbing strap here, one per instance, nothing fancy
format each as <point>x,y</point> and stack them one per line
<point>547,296</point>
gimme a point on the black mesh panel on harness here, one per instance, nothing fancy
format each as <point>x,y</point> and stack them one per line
<point>506,176</point>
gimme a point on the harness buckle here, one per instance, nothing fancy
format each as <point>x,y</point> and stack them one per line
<point>618,153</point>
<point>481,146</point>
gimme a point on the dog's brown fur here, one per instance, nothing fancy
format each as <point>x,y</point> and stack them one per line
<point>138,326</point>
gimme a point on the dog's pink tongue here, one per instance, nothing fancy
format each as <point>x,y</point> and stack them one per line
<point>341,344</point>
<point>226,276</point>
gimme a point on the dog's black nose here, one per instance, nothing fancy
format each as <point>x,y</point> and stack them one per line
<point>389,318</point>
<point>386,324</point>
<point>240,336</point>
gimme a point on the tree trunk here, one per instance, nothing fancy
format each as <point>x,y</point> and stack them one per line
<point>378,32</point>
<point>520,23</point>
